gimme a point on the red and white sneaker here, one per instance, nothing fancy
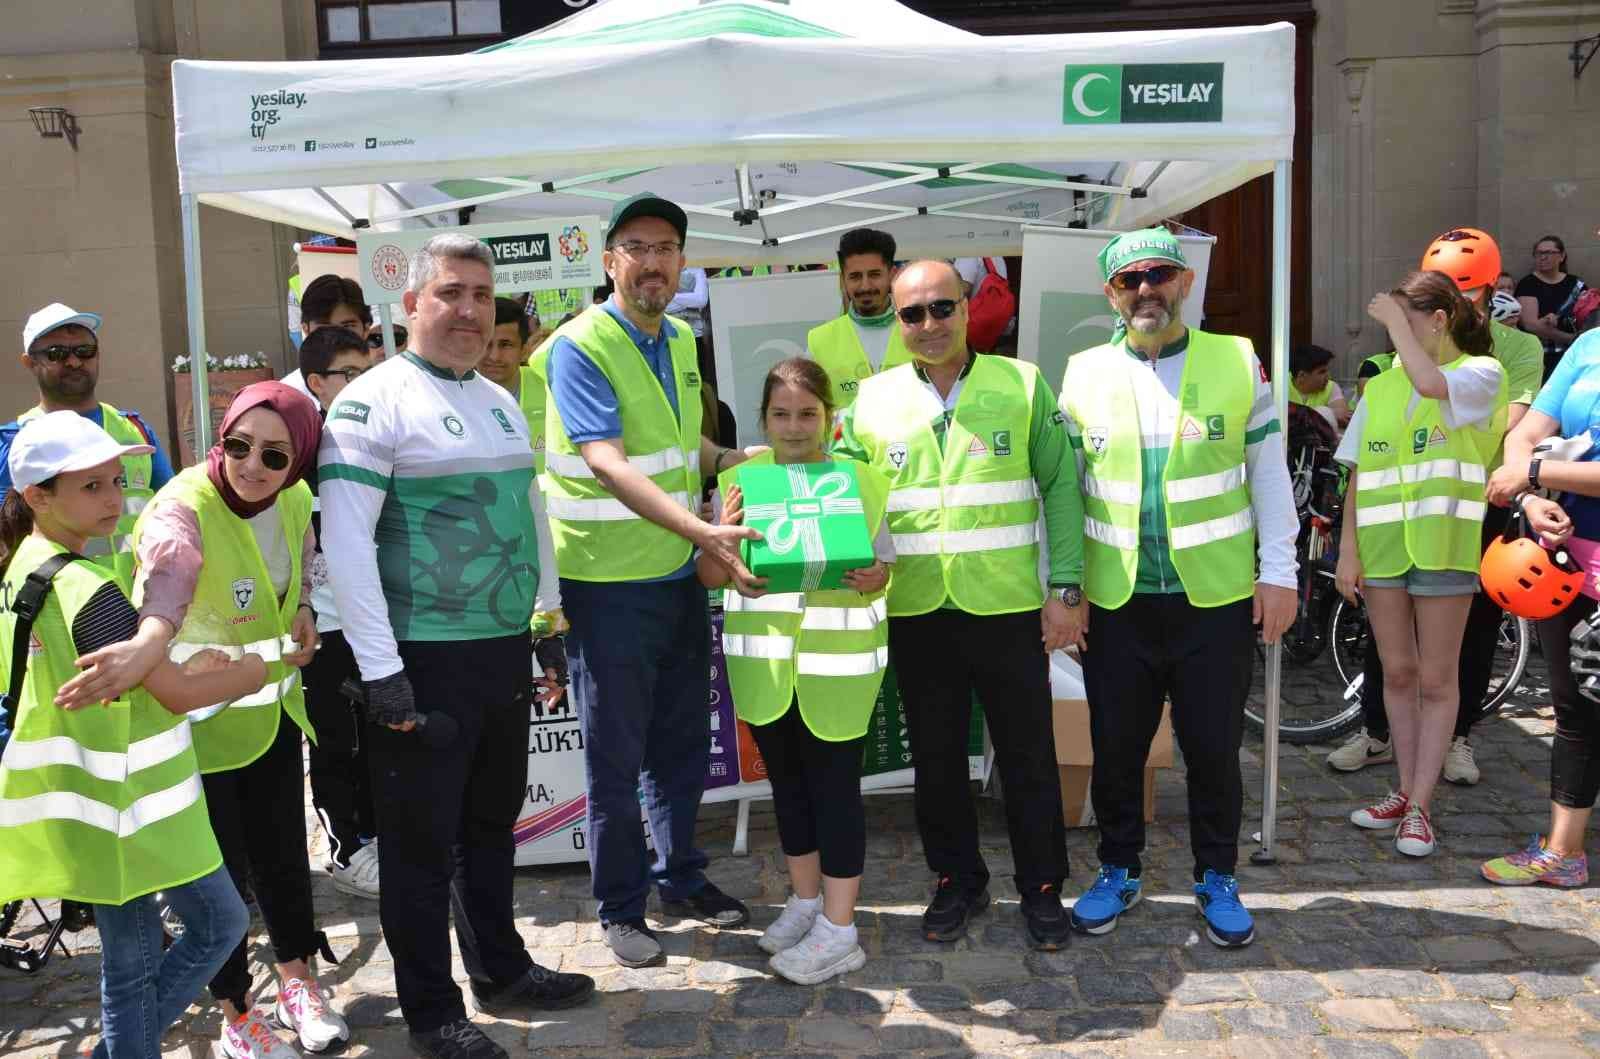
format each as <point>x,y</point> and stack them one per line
<point>1415,837</point>
<point>1386,814</point>
<point>302,1008</point>
<point>249,1038</point>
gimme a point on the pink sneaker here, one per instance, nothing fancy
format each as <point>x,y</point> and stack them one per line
<point>1415,837</point>
<point>1386,814</point>
<point>1537,864</point>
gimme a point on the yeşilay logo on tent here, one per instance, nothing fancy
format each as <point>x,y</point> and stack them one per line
<point>1127,94</point>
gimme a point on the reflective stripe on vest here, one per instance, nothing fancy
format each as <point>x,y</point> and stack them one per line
<point>825,650</point>
<point>235,611</point>
<point>837,347</point>
<point>1205,489</point>
<point>1419,485</point>
<point>965,517</point>
<point>596,536</point>
<point>102,804</point>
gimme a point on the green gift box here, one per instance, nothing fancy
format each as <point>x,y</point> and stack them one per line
<point>813,526</point>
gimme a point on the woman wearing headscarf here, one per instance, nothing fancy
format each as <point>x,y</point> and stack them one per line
<point>223,553</point>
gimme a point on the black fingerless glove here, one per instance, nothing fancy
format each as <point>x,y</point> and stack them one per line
<point>390,699</point>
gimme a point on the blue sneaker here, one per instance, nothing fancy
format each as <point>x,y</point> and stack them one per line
<point>1228,922</point>
<point>1113,893</point>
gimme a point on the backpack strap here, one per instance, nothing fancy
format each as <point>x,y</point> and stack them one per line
<point>29,602</point>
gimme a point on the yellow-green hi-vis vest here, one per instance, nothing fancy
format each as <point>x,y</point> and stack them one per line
<point>102,804</point>
<point>837,348</point>
<point>828,648</point>
<point>235,611</point>
<point>965,518</point>
<point>116,551</point>
<point>1419,484</point>
<point>1319,399</point>
<point>1210,528</point>
<point>531,399</point>
<point>597,537</point>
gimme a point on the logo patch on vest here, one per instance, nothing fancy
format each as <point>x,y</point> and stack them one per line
<point>35,645</point>
<point>244,592</point>
<point>691,378</point>
<point>1002,442</point>
<point>897,454</point>
<point>1215,428</point>
<point>977,448</point>
<point>1191,429</point>
<point>504,421</point>
<point>1097,438</point>
<point>353,410</point>
<point>454,425</point>
<point>1436,438</point>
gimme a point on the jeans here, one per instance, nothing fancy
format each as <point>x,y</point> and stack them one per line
<point>142,989</point>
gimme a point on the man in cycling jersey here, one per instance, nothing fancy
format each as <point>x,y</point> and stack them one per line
<point>425,470</point>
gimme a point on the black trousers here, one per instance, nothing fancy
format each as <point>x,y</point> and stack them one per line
<point>341,783</point>
<point>258,813</point>
<point>1575,754</point>
<point>446,826</point>
<point>1473,668</point>
<point>940,659</point>
<point>1151,648</point>
<point>816,793</point>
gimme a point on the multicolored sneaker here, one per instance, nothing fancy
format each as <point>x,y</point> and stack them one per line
<point>1537,864</point>
<point>1386,814</point>
<point>1228,922</point>
<point>1114,892</point>
<point>303,1008</point>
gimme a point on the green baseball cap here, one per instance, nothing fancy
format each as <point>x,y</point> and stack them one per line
<point>1147,244</point>
<point>649,204</point>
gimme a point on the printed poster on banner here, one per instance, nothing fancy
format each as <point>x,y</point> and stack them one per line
<point>550,828</point>
<point>536,254</point>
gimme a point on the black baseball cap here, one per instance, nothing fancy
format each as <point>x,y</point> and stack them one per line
<point>648,204</point>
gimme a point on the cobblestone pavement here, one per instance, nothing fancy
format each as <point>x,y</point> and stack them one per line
<point>1360,952</point>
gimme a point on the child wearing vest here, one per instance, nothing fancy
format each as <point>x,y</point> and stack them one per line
<point>223,554</point>
<point>105,804</point>
<point>809,723</point>
<point>1421,443</point>
<point>1309,384</point>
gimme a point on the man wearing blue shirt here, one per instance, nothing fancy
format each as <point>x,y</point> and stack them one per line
<point>624,455</point>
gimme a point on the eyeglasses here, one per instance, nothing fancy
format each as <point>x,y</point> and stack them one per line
<point>237,448</point>
<point>912,315</point>
<point>57,354</point>
<point>350,375</point>
<point>643,251</point>
<point>1156,275</point>
<point>375,340</point>
<point>1536,253</point>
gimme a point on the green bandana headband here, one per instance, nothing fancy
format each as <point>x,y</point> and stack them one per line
<point>1147,244</point>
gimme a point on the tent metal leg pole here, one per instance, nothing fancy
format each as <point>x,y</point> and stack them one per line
<point>195,306</point>
<point>386,318</point>
<point>1281,173</point>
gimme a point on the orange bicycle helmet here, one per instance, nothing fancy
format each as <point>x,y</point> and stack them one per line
<point>1525,578</point>
<point>1469,256</point>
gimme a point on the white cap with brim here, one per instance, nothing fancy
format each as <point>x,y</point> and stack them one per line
<point>59,442</point>
<point>53,316</point>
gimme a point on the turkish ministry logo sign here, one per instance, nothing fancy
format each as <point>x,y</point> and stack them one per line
<point>1128,94</point>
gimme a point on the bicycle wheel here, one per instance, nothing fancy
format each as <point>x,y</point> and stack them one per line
<point>1511,649</point>
<point>1312,703</point>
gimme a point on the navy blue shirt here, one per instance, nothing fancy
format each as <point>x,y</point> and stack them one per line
<point>586,400</point>
<point>160,467</point>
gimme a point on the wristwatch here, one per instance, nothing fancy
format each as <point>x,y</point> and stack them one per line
<point>1533,472</point>
<point>1071,595</point>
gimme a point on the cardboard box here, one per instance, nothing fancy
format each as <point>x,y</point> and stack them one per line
<point>813,526</point>
<point>1075,761</point>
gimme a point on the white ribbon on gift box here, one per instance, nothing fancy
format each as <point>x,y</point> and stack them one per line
<point>790,529</point>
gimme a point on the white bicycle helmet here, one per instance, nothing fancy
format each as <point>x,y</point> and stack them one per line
<point>1504,305</point>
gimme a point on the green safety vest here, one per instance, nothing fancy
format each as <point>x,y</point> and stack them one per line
<point>837,348</point>
<point>531,399</point>
<point>551,305</point>
<point>1319,399</point>
<point>102,804</point>
<point>1210,529</point>
<point>235,611</point>
<point>1419,485</point>
<point>597,537</point>
<point>116,551</point>
<point>964,517</point>
<point>828,648</point>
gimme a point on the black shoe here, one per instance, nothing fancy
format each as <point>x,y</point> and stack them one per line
<point>457,1040</point>
<point>711,906</point>
<point>1048,927</point>
<point>541,989</point>
<point>953,904</point>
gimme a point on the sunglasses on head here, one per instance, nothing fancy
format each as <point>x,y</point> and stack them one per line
<point>237,448</point>
<point>57,354</point>
<point>1135,277</point>
<point>912,315</point>
<point>375,340</point>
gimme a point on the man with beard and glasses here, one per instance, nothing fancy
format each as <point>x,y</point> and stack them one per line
<point>1185,484</point>
<point>62,348</point>
<point>864,339</point>
<point>623,462</point>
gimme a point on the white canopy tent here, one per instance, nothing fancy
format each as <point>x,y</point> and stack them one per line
<point>776,124</point>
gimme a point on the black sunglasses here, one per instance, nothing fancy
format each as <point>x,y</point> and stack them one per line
<point>1156,275</point>
<point>375,340</point>
<point>56,354</point>
<point>237,448</point>
<point>350,375</point>
<point>912,315</point>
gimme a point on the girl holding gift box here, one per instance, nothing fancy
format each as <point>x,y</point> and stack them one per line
<point>805,668</point>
